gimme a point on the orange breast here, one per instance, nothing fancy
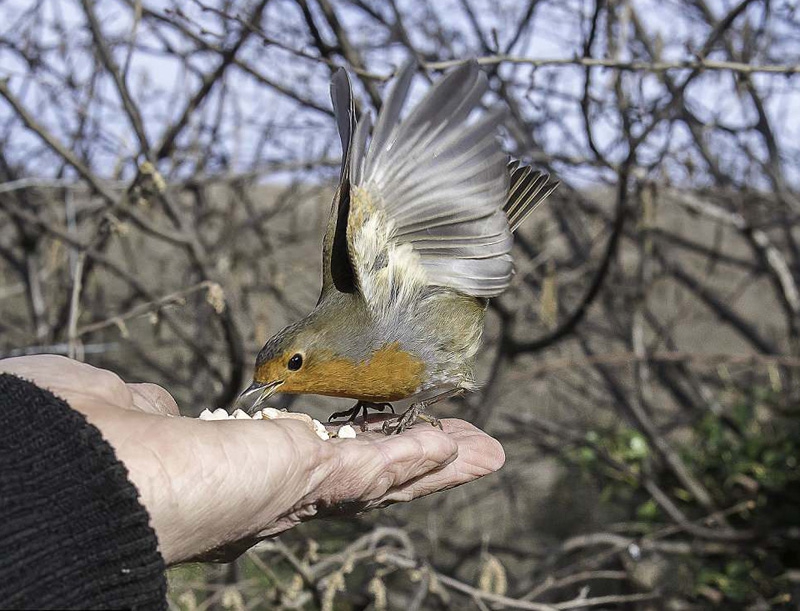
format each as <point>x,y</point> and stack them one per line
<point>389,374</point>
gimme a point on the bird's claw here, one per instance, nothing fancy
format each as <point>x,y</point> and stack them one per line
<point>351,414</point>
<point>408,418</point>
<point>362,407</point>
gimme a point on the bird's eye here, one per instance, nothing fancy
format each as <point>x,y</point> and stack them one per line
<point>295,363</point>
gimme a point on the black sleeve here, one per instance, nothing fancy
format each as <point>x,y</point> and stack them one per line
<point>72,530</point>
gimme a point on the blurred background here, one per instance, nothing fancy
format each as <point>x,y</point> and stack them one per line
<point>166,170</point>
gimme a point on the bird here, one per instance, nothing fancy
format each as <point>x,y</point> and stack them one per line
<point>418,241</point>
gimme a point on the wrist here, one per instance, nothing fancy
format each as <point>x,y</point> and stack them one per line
<point>209,484</point>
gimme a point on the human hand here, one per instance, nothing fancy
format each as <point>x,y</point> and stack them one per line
<point>222,485</point>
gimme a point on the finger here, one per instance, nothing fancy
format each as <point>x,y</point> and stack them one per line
<point>417,452</point>
<point>476,449</point>
<point>478,455</point>
<point>373,464</point>
<point>153,399</point>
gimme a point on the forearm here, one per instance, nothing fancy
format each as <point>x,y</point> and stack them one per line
<point>67,508</point>
<point>185,476</point>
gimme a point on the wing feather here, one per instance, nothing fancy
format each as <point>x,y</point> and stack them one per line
<point>441,181</point>
<point>430,198</point>
<point>528,189</point>
<point>337,270</point>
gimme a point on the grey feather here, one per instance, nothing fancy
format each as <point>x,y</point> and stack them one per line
<point>359,146</point>
<point>390,112</point>
<point>442,180</point>
<point>344,110</point>
<point>449,101</point>
<point>337,270</point>
<point>528,189</point>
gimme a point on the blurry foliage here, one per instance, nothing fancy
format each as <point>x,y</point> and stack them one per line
<point>749,459</point>
<point>760,452</point>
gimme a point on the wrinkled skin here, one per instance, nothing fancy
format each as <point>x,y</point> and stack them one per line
<point>214,488</point>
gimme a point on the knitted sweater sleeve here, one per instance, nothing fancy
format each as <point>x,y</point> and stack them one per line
<point>73,533</point>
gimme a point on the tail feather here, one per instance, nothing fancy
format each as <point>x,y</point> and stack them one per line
<point>527,189</point>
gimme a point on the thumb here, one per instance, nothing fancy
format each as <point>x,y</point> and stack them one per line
<point>152,399</point>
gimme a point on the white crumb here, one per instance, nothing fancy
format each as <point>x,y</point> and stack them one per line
<point>270,413</point>
<point>346,432</point>
<point>320,430</point>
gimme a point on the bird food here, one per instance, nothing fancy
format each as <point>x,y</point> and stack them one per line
<point>270,413</point>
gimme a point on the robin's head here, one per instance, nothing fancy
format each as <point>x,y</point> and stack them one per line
<point>287,362</point>
<point>317,355</point>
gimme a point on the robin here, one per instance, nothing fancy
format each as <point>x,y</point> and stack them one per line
<point>418,241</point>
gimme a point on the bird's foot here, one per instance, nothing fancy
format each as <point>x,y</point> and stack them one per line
<point>408,418</point>
<point>362,407</point>
<point>416,412</point>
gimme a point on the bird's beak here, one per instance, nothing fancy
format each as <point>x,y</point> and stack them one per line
<point>261,390</point>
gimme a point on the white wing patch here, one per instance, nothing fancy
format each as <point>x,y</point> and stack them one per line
<point>389,273</point>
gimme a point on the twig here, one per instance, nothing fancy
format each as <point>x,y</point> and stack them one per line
<point>627,358</point>
<point>156,305</point>
<point>515,603</point>
<point>631,66</point>
<point>74,351</point>
<point>514,347</point>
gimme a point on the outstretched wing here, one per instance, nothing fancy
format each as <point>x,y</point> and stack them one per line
<point>427,200</point>
<point>337,271</point>
<point>438,183</point>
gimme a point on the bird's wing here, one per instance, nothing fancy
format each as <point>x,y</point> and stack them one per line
<point>337,270</point>
<point>435,184</point>
<point>527,190</point>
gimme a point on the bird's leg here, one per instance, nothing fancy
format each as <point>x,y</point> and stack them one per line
<point>351,414</point>
<point>382,406</point>
<point>408,418</point>
<point>416,412</point>
<point>362,407</point>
